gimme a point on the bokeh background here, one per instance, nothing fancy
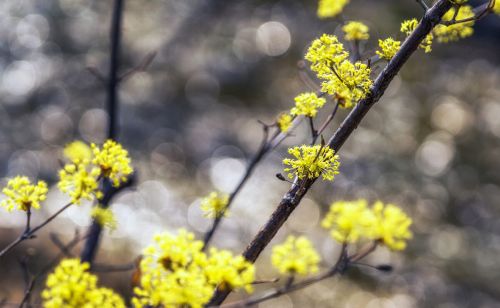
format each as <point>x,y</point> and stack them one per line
<point>190,123</point>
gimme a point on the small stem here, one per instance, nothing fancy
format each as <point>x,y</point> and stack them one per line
<point>423,5</point>
<point>29,234</point>
<point>314,132</point>
<point>261,152</point>
<point>338,268</point>
<point>34,279</point>
<point>28,220</point>
<point>326,123</point>
<point>479,12</point>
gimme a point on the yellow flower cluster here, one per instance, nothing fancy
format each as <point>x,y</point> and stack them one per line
<point>113,160</point>
<point>78,151</point>
<point>350,221</point>
<point>295,256</point>
<point>104,217</point>
<point>72,286</point>
<point>446,34</point>
<point>331,8</point>
<point>408,26</point>
<point>214,204</point>
<point>307,104</point>
<point>284,122</point>
<point>311,162</point>
<point>496,7</point>
<point>79,178</point>
<point>176,273</point>
<point>22,194</point>
<point>348,82</point>
<point>355,30</point>
<point>388,48</point>
<point>80,181</point>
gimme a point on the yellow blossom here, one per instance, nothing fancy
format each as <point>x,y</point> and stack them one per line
<point>391,226</point>
<point>214,204</point>
<point>295,256</point>
<point>113,160</point>
<point>79,182</point>
<point>331,8</point>
<point>227,271</point>
<point>104,217</point>
<point>388,48</point>
<point>349,221</point>
<point>311,162</point>
<point>408,26</point>
<point>445,34</point>
<point>355,30</point>
<point>72,286</point>
<point>78,151</point>
<point>23,195</point>
<point>175,272</point>
<point>284,122</point>
<point>307,104</point>
<point>348,82</point>
<point>496,7</point>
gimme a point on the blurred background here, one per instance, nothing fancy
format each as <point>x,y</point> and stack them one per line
<point>190,123</point>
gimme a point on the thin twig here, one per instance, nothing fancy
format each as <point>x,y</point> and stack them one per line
<point>339,267</point>
<point>29,289</point>
<point>423,5</point>
<point>293,197</point>
<point>28,234</point>
<point>327,122</point>
<point>479,12</point>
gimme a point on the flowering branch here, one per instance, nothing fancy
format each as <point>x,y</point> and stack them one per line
<point>293,197</point>
<point>91,245</point>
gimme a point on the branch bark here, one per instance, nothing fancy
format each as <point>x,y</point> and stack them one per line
<point>293,197</point>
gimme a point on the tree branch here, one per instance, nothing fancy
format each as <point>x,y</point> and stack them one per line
<point>293,197</point>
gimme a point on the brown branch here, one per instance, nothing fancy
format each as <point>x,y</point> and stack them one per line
<point>293,197</point>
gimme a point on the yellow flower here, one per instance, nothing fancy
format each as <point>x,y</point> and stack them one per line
<point>104,217</point>
<point>311,162</point>
<point>21,193</point>
<point>349,221</point>
<point>388,48</point>
<point>72,286</point>
<point>391,226</point>
<point>295,256</point>
<point>331,8</point>
<point>78,151</point>
<point>214,204</point>
<point>307,104</point>
<point>408,26</point>
<point>113,160</point>
<point>496,7</point>
<point>78,182</point>
<point>284,122</point>
<point>228,271</point>
<point>446,34</point>
<point>175,272</point>
<point>348,82</point>
<point>355,30</point>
